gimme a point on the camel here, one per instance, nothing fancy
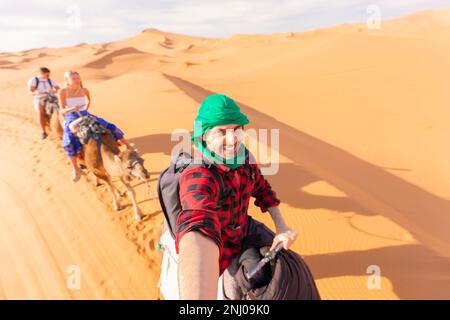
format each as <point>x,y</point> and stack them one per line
<point>52,116</point>
<point>103,157</point>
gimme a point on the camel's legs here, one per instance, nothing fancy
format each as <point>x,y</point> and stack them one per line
<point>55,125</point>
<point>97,181</point>
<point>132,195</point>
<point>120,194</point>
<point>112,189</point>
<point>97,184</point>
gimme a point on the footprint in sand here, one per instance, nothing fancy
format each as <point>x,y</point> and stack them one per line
<point>144,236</point>
<point>140,227</point>
<point>107,286</point>
<point>151,244</point>
<point>132,235</point>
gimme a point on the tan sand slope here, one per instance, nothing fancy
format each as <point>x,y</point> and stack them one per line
<point>49,226</point>
<point>363,171</point>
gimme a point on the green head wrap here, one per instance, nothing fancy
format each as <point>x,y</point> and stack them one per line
<point>218,110</point>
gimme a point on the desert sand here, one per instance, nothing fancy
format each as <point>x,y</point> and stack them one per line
<point>363,171</point>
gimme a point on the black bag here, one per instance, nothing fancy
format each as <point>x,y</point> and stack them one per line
<point>287,278</point>
<point>168,187</point>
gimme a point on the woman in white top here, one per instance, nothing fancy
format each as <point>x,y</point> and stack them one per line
<point>75,100</point>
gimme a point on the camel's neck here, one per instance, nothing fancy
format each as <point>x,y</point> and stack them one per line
<point>112,166</point>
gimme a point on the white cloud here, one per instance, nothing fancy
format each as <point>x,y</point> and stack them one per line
<point>25,24</point>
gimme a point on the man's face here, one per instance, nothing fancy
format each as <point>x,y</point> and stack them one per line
<point>45,75</point>
<point>224,140</point>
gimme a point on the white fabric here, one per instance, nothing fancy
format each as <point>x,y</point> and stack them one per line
<point>76,101</point>
<point>168,280</point>
<point>36,105</point>
<point>43,86</point>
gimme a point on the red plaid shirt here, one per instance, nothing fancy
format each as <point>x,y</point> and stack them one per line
<point>227,225</point>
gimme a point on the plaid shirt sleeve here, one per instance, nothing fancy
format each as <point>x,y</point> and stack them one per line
<point>199,196</point>
<point>262,191</point>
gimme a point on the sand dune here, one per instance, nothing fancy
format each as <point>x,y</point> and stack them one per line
<point>363,170</point>
<point>108,58</point>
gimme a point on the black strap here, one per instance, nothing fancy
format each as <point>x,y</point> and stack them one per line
<point>210,166</point>
<point>222,187</point>
<point>163,206</point>
<point>49,82</point>
<point>213,170</point>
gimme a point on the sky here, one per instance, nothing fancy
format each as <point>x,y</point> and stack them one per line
<point>26,24</point>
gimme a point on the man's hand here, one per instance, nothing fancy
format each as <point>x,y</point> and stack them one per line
<point>286,236</point>
<point>32,91</point>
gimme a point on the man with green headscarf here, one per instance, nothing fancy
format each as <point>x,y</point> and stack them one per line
<point>214,222</point>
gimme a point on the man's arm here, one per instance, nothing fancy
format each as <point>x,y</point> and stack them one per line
<point>277,218</point>
<point>284,234</point>
<point>198,240</point>
<point>55,87</point>
<point>267,200</point>
<point>32,88</point>
<point>198,269</point>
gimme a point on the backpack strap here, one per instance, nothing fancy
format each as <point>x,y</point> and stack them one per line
<point>210,166</point>
<point>222,187</point>
<point>161,203</point>
<point>179,165</point>
<point>49,82</point>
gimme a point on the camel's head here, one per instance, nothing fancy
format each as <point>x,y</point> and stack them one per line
<point>133,165</point>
